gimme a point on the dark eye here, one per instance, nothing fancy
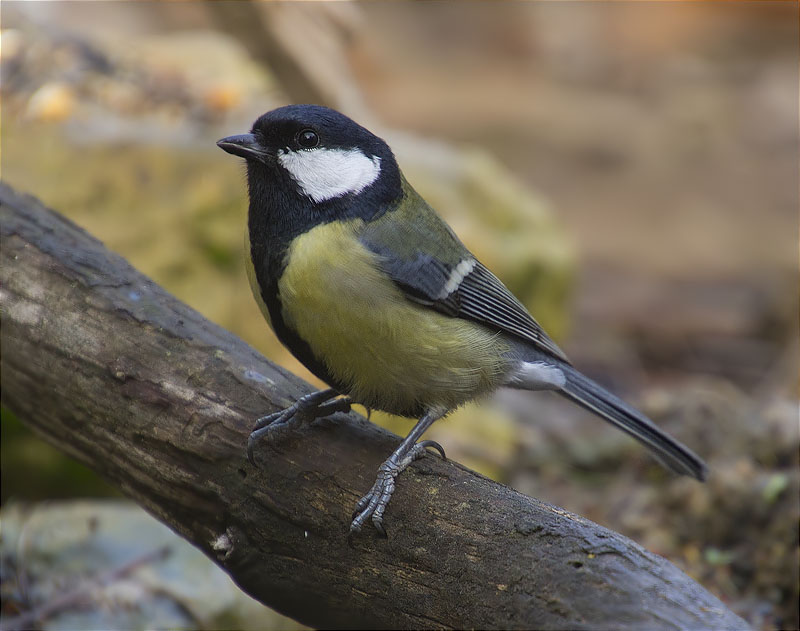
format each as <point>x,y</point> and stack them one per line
<point>307,139</point>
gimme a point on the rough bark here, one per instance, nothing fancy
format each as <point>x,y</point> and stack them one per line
<point>112,369</point>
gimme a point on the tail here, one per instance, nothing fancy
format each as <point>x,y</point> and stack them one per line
<point>596,399</point>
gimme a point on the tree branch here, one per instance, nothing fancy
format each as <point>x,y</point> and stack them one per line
<point>112,369</point>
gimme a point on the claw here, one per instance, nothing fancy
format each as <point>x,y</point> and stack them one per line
<point>308,407</point>
<point>261,427</point>
<point>378,523</point>
<point>250,456</point>
<point>361,505</point>
<point>432,443</point>
<point>270,418</point>
<point>331,407</point>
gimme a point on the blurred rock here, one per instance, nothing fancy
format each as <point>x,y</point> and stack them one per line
<point>51,549</point>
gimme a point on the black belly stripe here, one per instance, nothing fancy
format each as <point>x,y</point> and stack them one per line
<point>290,339</point>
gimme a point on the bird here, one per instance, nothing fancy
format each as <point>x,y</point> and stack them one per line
<point>374,293</point>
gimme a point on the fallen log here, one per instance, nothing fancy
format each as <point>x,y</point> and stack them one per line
<point>112,369</point>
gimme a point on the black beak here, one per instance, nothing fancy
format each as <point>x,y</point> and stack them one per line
<point>245,146</point>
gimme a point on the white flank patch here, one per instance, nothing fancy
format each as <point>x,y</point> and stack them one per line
<point>536,376</point>
<point>456,276</point>
<point>323,174</point>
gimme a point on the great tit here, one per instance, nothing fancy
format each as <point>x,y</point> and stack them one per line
<point>371,290</point>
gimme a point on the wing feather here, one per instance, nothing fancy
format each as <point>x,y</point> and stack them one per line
<point>480,296</point>
<point>426,260</point>
<point>483,297</point>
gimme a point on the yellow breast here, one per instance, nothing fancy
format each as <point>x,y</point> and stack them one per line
<point>397,355</point>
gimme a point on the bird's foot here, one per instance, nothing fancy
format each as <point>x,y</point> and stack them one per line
<point>307,408</point>
<point>374,503</point>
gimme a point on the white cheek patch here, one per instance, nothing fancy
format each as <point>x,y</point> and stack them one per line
<point>323,174</point>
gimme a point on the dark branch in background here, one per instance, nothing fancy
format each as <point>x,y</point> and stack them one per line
<point>246,22</point>
<point>112,369</point>
<point>305,48</point>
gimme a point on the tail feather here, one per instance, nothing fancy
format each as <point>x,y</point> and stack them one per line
<point>668,451</point>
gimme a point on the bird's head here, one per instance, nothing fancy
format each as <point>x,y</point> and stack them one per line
<point>326,156</point>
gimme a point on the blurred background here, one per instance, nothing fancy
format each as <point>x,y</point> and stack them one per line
<point>630,169</point>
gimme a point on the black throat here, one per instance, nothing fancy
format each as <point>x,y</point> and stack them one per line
<point>279,212</point>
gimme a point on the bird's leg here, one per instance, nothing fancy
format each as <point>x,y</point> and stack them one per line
<point>374,503</point>
<point>309,407</point>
